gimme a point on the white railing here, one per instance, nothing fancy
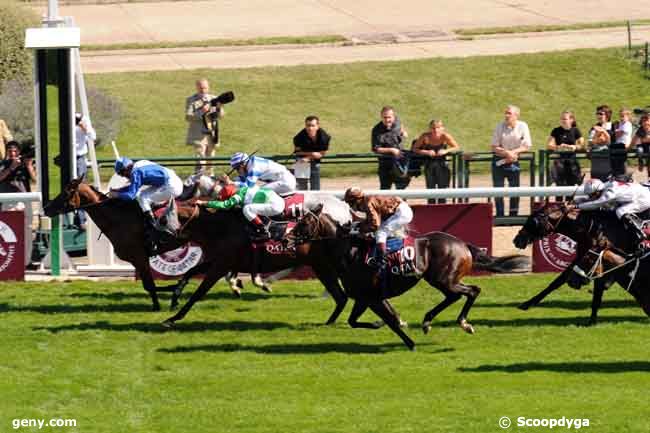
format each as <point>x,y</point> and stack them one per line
<point>484,192</point>
<point>9,197</point>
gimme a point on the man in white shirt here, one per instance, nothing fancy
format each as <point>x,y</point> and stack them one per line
<point>83,133</point>
<point>511,137</point>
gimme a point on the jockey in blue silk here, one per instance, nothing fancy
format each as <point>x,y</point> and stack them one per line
<point>150,183</point>
<point>252,169</point>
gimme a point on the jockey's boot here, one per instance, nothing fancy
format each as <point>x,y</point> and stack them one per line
<point>150,234</point>
<point>634,224</point>
<point>380,262</point>
<point>259,232</point>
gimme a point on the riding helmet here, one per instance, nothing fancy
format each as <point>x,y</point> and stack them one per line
<point>238,158</point>
<point>353,194</point>
<point>121,163</point>
<point>227,191</point>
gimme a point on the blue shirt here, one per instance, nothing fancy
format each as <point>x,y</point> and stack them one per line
<point>144,173</point>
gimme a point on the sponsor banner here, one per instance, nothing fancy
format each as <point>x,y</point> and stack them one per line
<point>554,253</point>
<point>12,245</point>
<point>173,264</point>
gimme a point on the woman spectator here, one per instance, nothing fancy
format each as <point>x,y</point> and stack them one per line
<point>434,145</point>
<point>641,141</point>
<point>600,133</point>
<point>566,140</point>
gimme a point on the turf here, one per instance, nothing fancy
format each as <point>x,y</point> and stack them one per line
<point>468,94</point>
<point>95,353</point>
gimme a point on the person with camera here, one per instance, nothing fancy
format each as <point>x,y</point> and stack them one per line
<point>641,141</point>
<point>199,136</point>
<point>511,137</point>
<point>16,173</point>
<point>566,140</point>
<point>5,138</point>
<point>310,145</point>
<point>83,134</point>
<point>386,139</point>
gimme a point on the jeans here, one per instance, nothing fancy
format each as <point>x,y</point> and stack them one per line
<point>387,177</point>
<point>82,169</point>
<point>436,175</point>
<point>499,175</point>
<point>313,183</point>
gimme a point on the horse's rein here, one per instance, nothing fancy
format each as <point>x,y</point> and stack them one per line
<point>195,212</point>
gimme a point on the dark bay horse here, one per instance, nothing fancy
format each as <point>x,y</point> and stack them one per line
<point>448,259</point>
<point>221,235</point>
<point>557,217</point>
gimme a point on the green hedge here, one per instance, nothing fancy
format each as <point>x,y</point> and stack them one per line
<point>15,60</point>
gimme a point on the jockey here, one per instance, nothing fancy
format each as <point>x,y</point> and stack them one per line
<point>255,201</point>
<point>387,216</point>
<point>149,183</point>
<point>251,169</point>
<point>628,199</point>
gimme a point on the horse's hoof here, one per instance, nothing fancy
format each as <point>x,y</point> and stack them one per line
<point>258,281</point>
<point>378,324</point>
<point>168,324</point>
<point>467,327</point>
<point>426,327</point>
<point>239,283</point>
<point>411,347</point>
<point>267,288</point>
<point>403,324</point>
<point>236,292</point>
<point>525,306</point>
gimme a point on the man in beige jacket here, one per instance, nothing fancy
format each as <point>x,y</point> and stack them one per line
<point>5,137</point>
<point>198,135</point>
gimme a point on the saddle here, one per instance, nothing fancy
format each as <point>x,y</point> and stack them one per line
<point>404,256</point>
<point>166,215</point>
<point>280,242</point>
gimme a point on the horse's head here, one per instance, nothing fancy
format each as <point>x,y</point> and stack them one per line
<point>541,223</point>
<point>75,195</point>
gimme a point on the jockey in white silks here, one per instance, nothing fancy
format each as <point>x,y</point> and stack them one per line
<point>252,169</point>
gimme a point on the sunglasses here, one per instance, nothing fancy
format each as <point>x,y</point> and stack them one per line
<point>600,113</point>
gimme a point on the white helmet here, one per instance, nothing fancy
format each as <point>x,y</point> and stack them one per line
<point>594,186</point>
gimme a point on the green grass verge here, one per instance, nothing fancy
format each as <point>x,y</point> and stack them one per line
<point>93,352</point>
<point>279,40</point>
<point>469,94</point>
<point>546,28</point>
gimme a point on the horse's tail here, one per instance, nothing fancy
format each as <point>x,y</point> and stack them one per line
<point>506,264</point>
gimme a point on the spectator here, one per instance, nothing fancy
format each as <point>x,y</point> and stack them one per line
<point>198,135</point>
<point>621,141</point>
<point>434,146</point>
<point>641,141</point>
<point>5,138</point>
<point>600,134</point>
<point>16,173</point>
<point>566,140</point>
<point>511,137</point>
<point>310,145</point>
<point>83,134</point>
<point>387,136</point>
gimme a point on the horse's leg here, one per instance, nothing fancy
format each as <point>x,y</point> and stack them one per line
<point>555,284</point>
<point>596,300</point>
<point>359,307</point>
<point>402,323</point>
<point>180,285</point>
<point>235,283</point>
<point>330,280</point>
<point>471,293</point>
<point>149,285</point>
<point>211,277</point>
<point>450,298</point>
<point>380,309</point>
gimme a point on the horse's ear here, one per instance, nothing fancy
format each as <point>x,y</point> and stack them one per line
<point>82,178</point>
<point>546,201</point>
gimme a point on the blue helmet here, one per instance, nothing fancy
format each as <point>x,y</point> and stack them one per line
<point>122,163</point>
<point>238,158</point>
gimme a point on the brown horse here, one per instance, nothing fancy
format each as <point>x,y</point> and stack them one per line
<point>447,260</point>
<point>221,235</point>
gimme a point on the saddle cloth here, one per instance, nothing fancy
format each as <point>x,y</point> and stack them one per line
<point>405,256</point>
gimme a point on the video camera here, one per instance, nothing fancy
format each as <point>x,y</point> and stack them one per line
<point>211,118</point>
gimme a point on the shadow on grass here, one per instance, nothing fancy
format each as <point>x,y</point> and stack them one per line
<point>564,305</point>
<point>563,367</point>
<point>158,328</point>
<point>213,296</point>
<point>71,309</point>
<point>306,348</point>
<point>544,321</point>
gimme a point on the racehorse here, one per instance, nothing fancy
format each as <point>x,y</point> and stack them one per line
<point>446,259</point>
<point>221,235</point>
<point>557,217</point>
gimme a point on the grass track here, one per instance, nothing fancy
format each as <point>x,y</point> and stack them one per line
<point>93,352</point>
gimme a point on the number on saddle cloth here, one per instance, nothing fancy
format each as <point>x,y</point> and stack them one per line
<point>294,206</point>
